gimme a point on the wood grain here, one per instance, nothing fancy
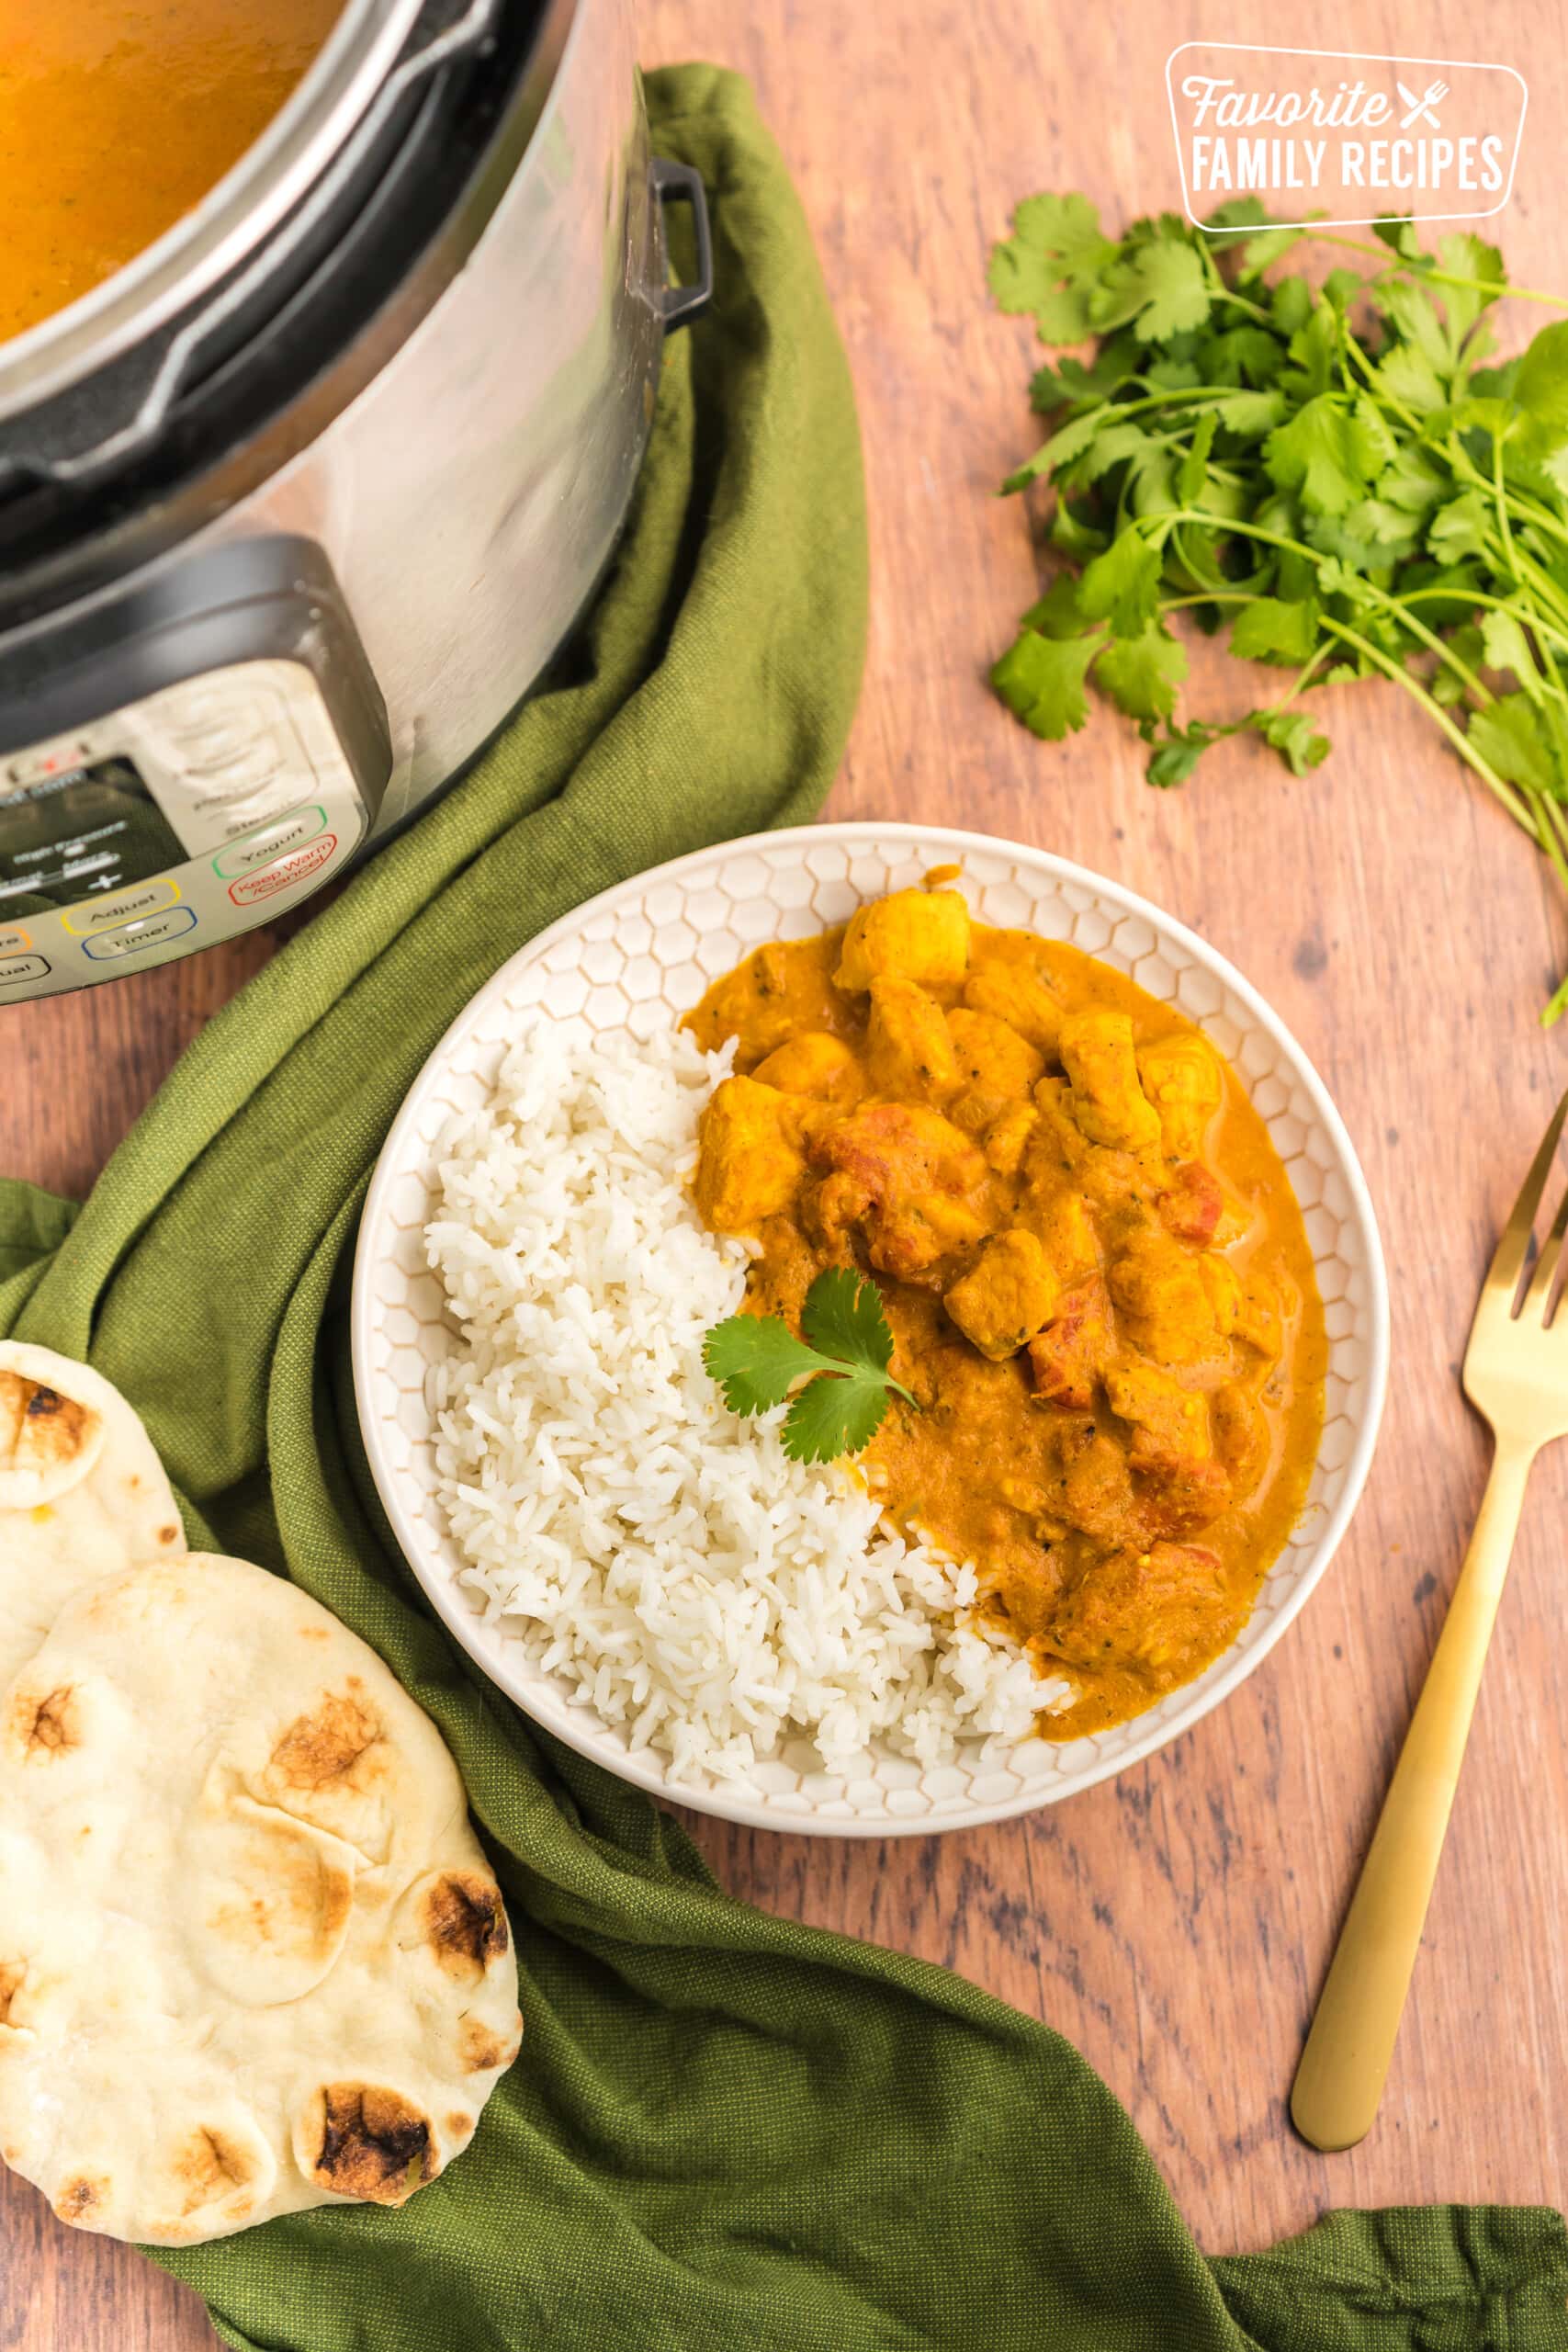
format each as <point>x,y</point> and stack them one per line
<point>1174,1924</point>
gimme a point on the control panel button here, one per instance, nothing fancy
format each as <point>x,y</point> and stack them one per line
<point>16,970</point>
<point>124,906</point>
<point>105,946</point>
<point>260,849</point>
<point>296,866</point>
<point>12,942</point>
<point>227,762</point>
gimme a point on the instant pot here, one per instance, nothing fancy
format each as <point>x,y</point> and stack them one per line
<point>294,509</point>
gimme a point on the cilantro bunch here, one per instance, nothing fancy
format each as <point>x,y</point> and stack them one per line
<point>843,1361</point>
<point>1326,471</point>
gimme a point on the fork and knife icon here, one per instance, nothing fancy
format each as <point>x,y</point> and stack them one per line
<point>1421,109</point>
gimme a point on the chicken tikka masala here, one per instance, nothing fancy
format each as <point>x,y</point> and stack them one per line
<point>1095,1271</point>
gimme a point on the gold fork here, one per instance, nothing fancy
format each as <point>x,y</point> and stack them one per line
<point>1516,1375</point>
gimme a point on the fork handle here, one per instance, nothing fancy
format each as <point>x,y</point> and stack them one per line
<point>1346,2060</point>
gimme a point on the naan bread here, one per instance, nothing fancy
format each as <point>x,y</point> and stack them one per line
<point>252,1958</point>
<point>82,1493</point>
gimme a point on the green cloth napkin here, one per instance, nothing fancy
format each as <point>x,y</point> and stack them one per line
<point>727,2132</point>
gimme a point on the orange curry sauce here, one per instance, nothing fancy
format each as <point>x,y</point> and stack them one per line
<point>1095,1271</point>
<point>116,116</point>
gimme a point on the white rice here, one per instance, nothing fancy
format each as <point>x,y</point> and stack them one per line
<point>712,1599</point>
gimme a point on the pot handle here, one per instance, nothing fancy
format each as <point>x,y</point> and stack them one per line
<point>682,184</point>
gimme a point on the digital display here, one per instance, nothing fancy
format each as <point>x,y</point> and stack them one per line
<point>73,836</point>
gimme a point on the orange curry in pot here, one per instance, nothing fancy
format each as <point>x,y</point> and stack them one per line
<point>118,116</point>
<point>1095,1271</point>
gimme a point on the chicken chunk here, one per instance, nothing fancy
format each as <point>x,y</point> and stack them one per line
<point>1241,1436</point>
<point>814,1064</point>
<point>1181,1079</point>
<point>1156,1283</point>
<point>1156,1611</point>
<point>1258,1316</point>
<point>750,1162</point>
<point>1182,1486</point>
<point>1063,1221</point>
<point>1070,1354</point>
<point>1006,1137</point>
<point>912,935</point>
<point>1095,1493</point>
<point>906,1178</point>
<point>992,1058</point>
<point>908,1047</point>
<point>1222,1281</point>
<point>1007,1295</point>
<point>1011,992</point>
<point>1109,1103</point>
<point>759,1004</point>
<point>1165,1418</point>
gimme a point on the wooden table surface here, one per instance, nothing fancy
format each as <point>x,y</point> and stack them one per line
<point>1174,1923</point>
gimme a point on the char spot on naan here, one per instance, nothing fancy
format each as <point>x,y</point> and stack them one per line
<point>478,2048</point>
<point>212,2167</point>
<point>45,1725</point>
<point>327,1746</point>
<point>39,1428</point>
<point>13,1975</point>
<point>81,2197</point>
<point>464,1922</point>
<point>370,2143</point>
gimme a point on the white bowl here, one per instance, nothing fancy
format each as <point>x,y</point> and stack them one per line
<point>641,955</point>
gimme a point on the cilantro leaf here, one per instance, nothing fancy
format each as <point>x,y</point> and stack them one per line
<point>1059,612</point>
<point>1413,315</point>
<point>1051,263</point>
<point>1122,585</point>
<point>1407,376</point>
<point>1541,387</point>
<point>1509,737</point>
<point>1140,675</point>
<point>1174,759</point>
<point>1413,481</point>
<point>1399,231</point>
<point>1467,256</point>
<point>1461,527</point>
<point>1159,291</point>
<point>756,1360</point>
<point>832,1417</point>
<point>1292,735</point>
<point>1249,413</point>
<point>1268,630</point>
<point>1506,647</point>
<point>1041,679</point>
<point>843,1360</point>
<point>842,1317</point>
<point>1325,452</point>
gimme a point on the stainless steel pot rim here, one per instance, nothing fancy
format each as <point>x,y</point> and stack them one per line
<point>230,222</point>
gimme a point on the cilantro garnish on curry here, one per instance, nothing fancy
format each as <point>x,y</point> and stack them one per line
<point>1105,1385</point>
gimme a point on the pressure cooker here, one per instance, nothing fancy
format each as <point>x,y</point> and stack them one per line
<point>295,507</point>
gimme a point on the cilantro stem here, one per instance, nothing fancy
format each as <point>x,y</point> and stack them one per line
<point>1499,491</point>
<point>1368,588</point>
<point>1433,276</point>
<point>1484,601</point>
<point>1530,511</point>
<point>1511,800</point>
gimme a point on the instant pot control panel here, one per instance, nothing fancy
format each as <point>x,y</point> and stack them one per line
<point>214,800</point>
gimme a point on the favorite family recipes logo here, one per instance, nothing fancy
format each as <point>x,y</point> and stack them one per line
<point>1350,138</point>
